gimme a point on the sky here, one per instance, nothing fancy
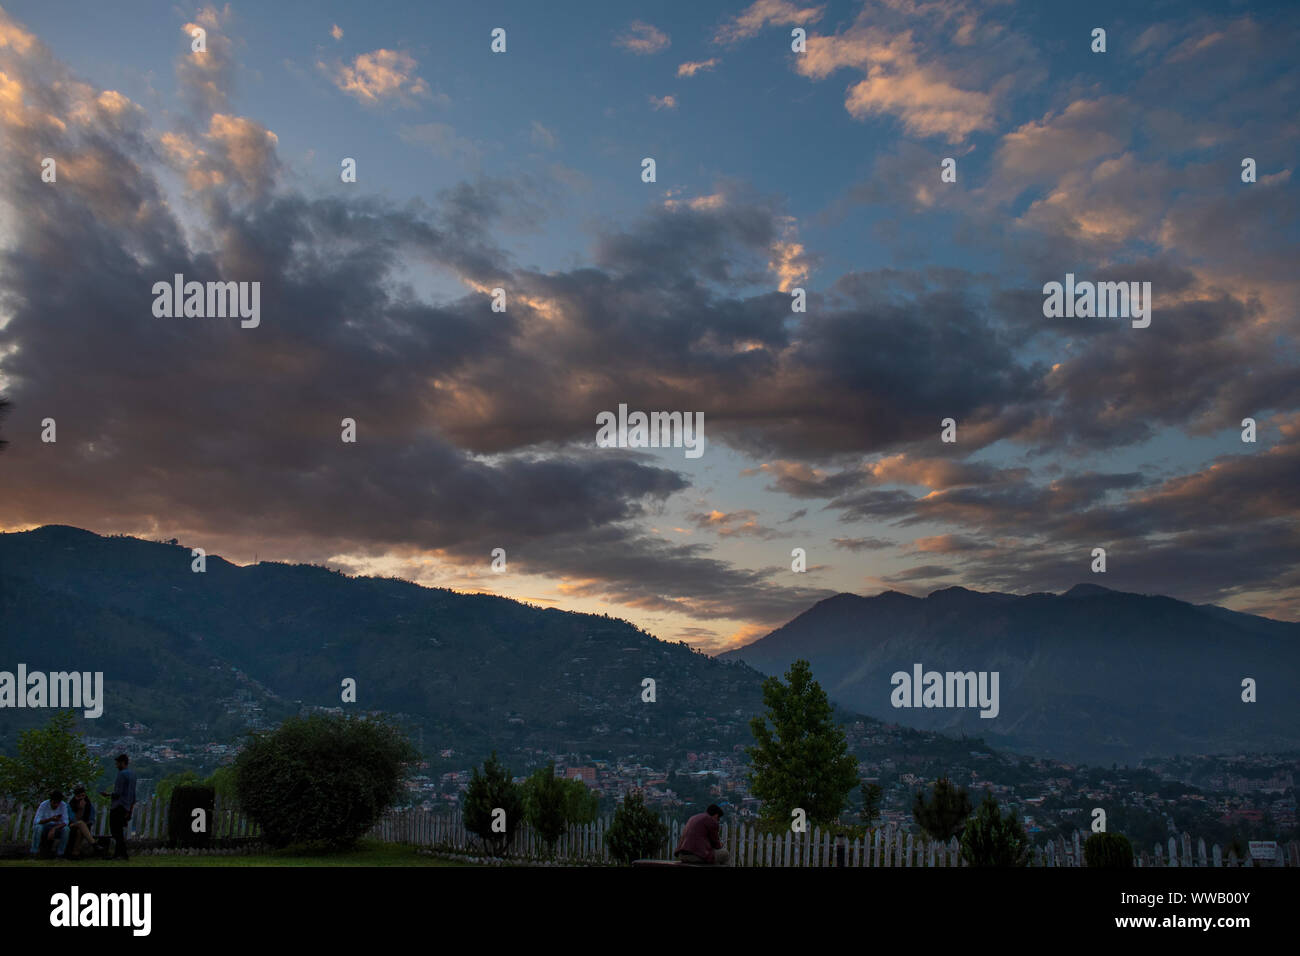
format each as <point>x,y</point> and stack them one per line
<point>820,169</point>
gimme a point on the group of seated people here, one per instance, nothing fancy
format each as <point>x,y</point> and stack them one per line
<point>69,829</point>
<point>66,827</point>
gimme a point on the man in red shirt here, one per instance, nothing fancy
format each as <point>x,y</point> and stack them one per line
<point>700,843</point>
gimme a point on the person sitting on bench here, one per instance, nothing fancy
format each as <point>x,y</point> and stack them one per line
<point>700,844</point>
<point>82,825</point>
<point>51,824</point>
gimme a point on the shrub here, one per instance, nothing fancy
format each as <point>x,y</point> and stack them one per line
<point>944,814</point>
<point>162,791</point>
<point>1108,851</point>
<point>185,799</point>
<point>321,780</point>
<point>991,839</point>
<point>636,832</point>
<point>553,804</point>
<point>489,791</point>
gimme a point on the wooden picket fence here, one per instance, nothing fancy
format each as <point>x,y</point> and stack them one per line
<point>148,824</point>
<point>885,846</point>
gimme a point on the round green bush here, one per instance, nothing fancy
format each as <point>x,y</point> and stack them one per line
<point>322,780</point>
<point>1108,851</point>
<point>636,832</point>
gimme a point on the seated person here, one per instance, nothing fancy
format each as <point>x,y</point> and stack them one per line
<point>82,823</point>
<point>700,843</point>
<point>51,824</point>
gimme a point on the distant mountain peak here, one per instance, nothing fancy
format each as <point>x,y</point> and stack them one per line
<point>954,590</point>
<point>1066,692</point>
<point>892,595</point>
<point>1088,590</point>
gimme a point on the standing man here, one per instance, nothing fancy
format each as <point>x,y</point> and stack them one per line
<point>700,843</point>
<point>51,824</point>
<point>122,806</point>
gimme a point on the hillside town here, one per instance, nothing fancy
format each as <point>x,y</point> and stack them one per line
<point>1229,797</point>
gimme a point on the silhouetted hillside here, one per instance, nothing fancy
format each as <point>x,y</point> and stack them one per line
<point>1092,674</point>
<point>470,671</point>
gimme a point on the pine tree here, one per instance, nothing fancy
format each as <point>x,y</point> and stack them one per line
<point>636,832</point>
<point>944,814</point>
<point>802,760</point>
<point>991,839</point>
<point>553,804</point>
<point>493,789</point>
<point>871,796</point>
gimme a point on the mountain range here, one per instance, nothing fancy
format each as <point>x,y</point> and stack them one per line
<point>196,654</point>
<point>1092,674</point>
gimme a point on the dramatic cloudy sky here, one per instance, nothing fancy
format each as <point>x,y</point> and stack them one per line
<point>775,170</point>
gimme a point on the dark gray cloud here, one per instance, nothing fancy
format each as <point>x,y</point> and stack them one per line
<point>475,429</point>
<point>924,572</point>
<point>862,544</point>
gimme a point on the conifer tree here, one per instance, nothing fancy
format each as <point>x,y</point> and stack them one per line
<point>553,804</point>
<point>493,789</point>
<point>991,839</point>
<point>871,796</point>
<point>944,814</point>
<point>636,832</point>
<point>801,761</point>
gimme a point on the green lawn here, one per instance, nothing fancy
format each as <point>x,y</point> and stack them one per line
<point>368,854</point>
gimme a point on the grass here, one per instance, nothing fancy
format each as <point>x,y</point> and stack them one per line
<point>368,853</point>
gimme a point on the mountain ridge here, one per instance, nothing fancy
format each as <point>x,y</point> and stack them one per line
<point>1091,673</point>
<point>469,671</point>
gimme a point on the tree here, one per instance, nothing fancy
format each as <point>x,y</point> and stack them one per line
<point>871,796</point>
<point>492,790</point>
<point>53,757</point>
<point>802,760</point>
<point>944,814</point>
<point>322,780</point>
<point>636,832</point>
<point>222,781</point>
<point>1108,851</point>
<point>553,804</point>
<point>991,839</point>
<point>162,792</point>
<point>4,410</point>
